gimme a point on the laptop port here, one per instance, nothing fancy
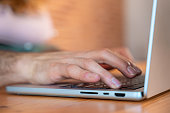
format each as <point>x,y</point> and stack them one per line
<point>105,93</point>
<point>82,92</point>
<point>120,94</point>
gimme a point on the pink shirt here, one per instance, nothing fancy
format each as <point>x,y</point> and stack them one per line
<point>20,29</point>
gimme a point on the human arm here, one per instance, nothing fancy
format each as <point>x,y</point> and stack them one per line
<point>51,67</point>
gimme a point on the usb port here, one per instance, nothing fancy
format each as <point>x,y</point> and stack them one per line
<point>120,94</point>
<point>105,93</point>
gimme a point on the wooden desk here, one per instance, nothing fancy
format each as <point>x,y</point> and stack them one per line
<point>40,104</point>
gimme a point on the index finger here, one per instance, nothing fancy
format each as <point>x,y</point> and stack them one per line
<point>126,67</point>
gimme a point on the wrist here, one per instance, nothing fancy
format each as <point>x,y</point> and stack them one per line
<point>11,64</point>
<point>24,67</point>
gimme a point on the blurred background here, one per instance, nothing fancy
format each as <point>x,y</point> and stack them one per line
<point>95,24</point>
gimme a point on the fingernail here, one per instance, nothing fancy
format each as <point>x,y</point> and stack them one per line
<point>137,70</point>
<point>115,83</point>
<point>131,70</point>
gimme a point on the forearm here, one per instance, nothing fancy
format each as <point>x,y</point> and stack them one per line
<point>52,67</point>
<point>9,68</point>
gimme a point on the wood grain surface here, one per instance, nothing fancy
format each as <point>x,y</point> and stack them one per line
<point>40,104</point>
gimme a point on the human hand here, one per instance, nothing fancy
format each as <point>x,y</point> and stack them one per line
<point>51,67</point>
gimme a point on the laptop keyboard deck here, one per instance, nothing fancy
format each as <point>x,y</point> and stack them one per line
<point>127,84</point>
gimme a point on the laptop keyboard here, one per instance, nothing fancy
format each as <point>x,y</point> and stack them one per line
<point>127,84</point>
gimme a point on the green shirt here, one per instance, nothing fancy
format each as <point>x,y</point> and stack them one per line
<point>25,48</point>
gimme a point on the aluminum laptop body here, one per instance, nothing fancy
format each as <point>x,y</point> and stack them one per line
<point>157,76</point>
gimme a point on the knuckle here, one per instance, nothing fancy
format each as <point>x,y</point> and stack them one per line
<point>89,62</point>
<point>70,68</point>
<point>105,51</point>
<point>123,64</point>
<point>123,61</point>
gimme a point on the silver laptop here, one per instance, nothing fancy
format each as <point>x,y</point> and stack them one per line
<point>155,81</point>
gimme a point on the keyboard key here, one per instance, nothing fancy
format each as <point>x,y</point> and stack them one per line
<point>135,83</point>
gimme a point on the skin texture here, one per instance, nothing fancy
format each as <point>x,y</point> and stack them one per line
<point>52,67</point>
